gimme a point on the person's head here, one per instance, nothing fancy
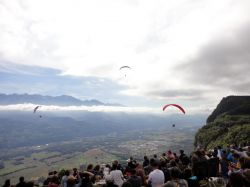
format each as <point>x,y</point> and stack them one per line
<point>172,163</point>
<point>151,161</point>
<point>246,175</point>
<point>114,166</point>
<point>107,166</point>
<point>169,184</point>
<point>54,179</point>
<point>236,180</point>
<point>97,167</point>
<point>245,162</point>
<point>175,173</point>
<point>187,173</point>
<point>71,181</point>
<point>90,167</point>
<point>7,182</point>
<point>155,155</point>
<point>236,156</point>
<point>181,151</point>
<point>145,157</point>
<point>126,184</point>
<point>214,154</point>
<point>21,179</point>
<point>67,172</point>
<point>133,172</point>
<point>155,165</point>
<point>163,154</point>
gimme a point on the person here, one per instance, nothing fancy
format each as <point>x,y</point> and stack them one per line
<point>131,163</point>
<point>213,164</point>
<point>184,158</point>
<point>76,175</point>
<point>53,182</point>
<point>236,180</point>
<point>71,182</point>
<point>175,178</point>
<point>170,155</point>
<point>224,165</point>
<point>64,179</point>
<point>191,180</point>
<point>199,165</point>
<point>149,168</point>
<point>106,170</point>
<point>85,179</point>
<point>145,162</point>
<point>156,177</point>
<point>117,175</point>
<point>134,179</point>
<point>7,183</point>
<point>109,182</point>
<point>21,183</point>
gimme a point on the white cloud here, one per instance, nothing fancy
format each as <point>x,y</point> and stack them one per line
<point>156,110</point>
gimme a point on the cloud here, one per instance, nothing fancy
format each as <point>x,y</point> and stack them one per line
<point>52,108</point>
<point>90,40</point>
<point>222,64</point>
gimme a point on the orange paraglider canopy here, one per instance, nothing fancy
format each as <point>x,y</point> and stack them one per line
<point>175,105</point>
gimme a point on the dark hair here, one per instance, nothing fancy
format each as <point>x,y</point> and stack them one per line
<point>172,163</point>
<point>67,172</point>
<point>126,184</point>
<point>151,161</point>
<point>181,151</point>
<point>133,171</point>
<point>7,182</point>
<point>21,179</point>
<point>187,173</point>
<point>175,173</point>
<point>90,166</point>
<point>97,167</point>
<point>236,180</point>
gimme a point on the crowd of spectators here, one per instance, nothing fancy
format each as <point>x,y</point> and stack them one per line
<point>225,167</point>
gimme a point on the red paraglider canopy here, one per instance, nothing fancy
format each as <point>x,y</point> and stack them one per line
<point>175,105</point>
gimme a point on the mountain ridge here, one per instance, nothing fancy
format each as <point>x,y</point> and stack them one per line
<point>228,124</point>
<point>62,100</point>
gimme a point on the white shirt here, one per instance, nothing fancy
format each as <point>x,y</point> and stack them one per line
<point>156,178</point>
<point>117,176</point>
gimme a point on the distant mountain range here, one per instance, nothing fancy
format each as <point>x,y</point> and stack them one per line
<point>63,100</point>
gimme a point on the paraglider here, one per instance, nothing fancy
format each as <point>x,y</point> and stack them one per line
<point>125,68</point>
<point>175,105</point>
<point>35,110</point>
<point>173,125</point>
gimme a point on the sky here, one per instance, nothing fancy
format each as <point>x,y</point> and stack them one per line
<point>189,52</point>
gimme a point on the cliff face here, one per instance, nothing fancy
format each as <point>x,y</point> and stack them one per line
<point>229,123</point>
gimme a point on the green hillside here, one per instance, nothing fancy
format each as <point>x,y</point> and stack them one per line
<point>229,123</point>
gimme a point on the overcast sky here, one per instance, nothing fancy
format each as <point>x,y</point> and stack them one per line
<point>190,52</point>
